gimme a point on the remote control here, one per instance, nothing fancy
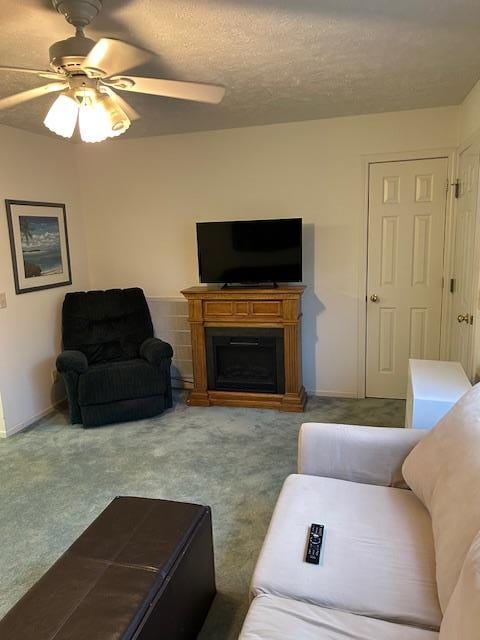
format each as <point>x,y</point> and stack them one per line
<point>315,538</point>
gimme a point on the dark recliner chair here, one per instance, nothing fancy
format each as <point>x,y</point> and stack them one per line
<point>113,368</point>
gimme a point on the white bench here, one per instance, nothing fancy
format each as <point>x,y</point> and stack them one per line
<point>434,386</point>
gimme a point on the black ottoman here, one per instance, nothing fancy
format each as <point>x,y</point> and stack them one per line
<point>143,570</point>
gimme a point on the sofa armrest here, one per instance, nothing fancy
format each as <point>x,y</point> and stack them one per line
<point>155,350</point>
<point>72,361</point>
<point>371,455</point>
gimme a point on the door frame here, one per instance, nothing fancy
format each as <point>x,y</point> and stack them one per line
<point>429,154</point>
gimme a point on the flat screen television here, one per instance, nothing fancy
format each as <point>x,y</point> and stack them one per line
<point>250,251</point>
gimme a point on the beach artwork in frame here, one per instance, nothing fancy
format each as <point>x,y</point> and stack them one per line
<point>39,245</point>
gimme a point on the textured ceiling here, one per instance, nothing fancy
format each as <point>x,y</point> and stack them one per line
<point>280,60</point>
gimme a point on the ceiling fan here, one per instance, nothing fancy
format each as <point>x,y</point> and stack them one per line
<point>87,75</point>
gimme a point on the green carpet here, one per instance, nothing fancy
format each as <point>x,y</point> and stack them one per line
<point>55,479</point>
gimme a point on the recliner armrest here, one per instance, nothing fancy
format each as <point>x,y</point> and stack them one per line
<point>72,361</point>
<point>155,350</point>
<point>370,455</point>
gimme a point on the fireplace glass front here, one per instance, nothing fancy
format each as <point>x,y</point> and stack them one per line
<point>245,359</point>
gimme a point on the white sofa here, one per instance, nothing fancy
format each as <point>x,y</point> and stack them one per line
<point>387,551</point>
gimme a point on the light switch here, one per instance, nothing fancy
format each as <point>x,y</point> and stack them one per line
<point>3,300</point>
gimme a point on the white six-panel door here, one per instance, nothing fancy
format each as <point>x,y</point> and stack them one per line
<point>406,228</point>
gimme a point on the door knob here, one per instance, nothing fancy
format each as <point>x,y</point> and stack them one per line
<point>463,318</point>
<point>374,298</point>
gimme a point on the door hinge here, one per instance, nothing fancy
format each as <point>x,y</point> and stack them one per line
<point>452,285</point>
<point>456,186</point>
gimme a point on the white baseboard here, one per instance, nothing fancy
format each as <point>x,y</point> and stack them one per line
<point>322,393</point>
<point>31,421</point>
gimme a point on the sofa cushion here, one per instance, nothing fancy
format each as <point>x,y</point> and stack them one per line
<point>462,617</point>
<point>275,618</point>
<point>378,556</point>
<point>104,383</point>
<point>443,470</point>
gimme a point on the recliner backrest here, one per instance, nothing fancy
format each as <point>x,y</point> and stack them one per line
<point>106,325</point>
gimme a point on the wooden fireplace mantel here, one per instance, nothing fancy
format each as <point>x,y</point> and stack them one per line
<point>280,307</point>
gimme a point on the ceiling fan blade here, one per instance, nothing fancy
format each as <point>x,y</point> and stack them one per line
<point>126,108</point>
<point>38,72</point>
<point>110,56</point>
<point>196,91</point>
<point>24,96</point>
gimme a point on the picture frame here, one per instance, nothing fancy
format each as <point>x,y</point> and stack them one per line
<point>39,245</point>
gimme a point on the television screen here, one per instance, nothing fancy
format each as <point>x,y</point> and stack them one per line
<point>250,251</point>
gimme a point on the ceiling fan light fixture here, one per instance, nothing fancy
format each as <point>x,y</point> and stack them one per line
<point>62,116</point>
<point>119,121</point>
<point>101,118</point>
<point>93,121</point>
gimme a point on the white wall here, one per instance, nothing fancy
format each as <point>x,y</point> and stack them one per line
<point>34,167</point>
<point>470,114</point>
<point>141,214</point>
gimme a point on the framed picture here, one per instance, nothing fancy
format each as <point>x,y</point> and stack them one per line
<point>39,245</point>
